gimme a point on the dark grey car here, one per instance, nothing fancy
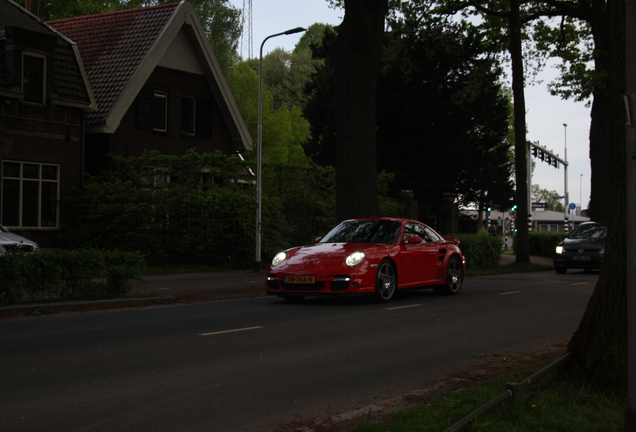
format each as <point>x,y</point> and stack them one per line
<point>582,249</point>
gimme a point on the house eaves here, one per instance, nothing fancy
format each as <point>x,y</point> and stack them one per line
<point>121,57</point>
<point>69,76</point>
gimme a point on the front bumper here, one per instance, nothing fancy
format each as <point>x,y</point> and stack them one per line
<point>324,285</point>
<point>575,260</point>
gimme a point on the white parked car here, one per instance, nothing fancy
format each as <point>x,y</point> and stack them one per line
<point>11,242</point>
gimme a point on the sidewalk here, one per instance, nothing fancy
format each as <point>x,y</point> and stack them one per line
<point>509,259</point>
<point>181,288</point>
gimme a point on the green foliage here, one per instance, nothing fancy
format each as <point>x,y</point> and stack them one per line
<point>542,243</point>
<point>480,250</point>
<point>199,209</point>
<point>86,274</point>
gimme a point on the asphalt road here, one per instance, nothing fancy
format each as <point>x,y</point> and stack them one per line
<point>239,365</point>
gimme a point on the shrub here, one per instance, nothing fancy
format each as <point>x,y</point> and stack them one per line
<point>541,243</point>
<point>88,274</point>
<point>480,250</point>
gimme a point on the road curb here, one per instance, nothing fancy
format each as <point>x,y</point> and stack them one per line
<point>82,306</point>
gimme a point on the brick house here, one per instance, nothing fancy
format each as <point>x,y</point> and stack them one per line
<point>147,79</point>
<point>44,93</point>
<point>157,84</point>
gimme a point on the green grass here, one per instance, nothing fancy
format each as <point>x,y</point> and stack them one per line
<point>549,405</point>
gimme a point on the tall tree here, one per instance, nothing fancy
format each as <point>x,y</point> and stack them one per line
<point>510,16</point>
<point>357,60</point>
<point>443,118</point>
<point>599,346</point>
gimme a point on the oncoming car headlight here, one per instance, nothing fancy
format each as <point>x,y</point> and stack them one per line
<point>559,249</point>
<point>279,258</point>
<point>355,258</point>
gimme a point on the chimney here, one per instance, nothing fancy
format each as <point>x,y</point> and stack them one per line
<point>32,6</point>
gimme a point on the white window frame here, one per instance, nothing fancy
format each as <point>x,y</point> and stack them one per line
<point>21,179</point>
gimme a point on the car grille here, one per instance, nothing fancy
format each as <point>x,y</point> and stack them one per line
<point>303,287</point>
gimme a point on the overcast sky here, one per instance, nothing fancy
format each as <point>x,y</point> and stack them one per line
<point>545,114</point>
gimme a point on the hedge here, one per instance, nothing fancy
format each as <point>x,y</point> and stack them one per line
<point>480,250</point>
<point>89,274</point>
<point>541,243</point>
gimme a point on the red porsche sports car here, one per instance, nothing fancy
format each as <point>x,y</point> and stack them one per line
<point>369,256</point>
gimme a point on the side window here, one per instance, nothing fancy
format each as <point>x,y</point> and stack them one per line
<point>432,235</point>
<point>188,115</point>
<point>160,111</point>
<point>33,78</point>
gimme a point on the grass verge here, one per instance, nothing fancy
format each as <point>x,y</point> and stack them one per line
<point>548,405</point>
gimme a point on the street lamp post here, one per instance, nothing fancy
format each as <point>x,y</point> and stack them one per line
<point>565,173</point>
<point>259,147</point>
<point>581,194</point>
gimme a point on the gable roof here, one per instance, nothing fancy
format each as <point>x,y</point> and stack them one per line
<point>70,83</point>
<point>121,49</point>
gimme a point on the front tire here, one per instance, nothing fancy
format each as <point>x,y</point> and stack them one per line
<point>385,281</point>
<point>560,270</point>
<point>454,278</point>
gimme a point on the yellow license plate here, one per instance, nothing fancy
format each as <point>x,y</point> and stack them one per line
<point>300,279</point>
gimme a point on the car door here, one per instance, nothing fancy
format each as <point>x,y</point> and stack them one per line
<point>417,260</point>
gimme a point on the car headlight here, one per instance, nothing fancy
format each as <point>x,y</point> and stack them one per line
<point>559,249</point>
<point>355,258</point>
<point>279,258</point>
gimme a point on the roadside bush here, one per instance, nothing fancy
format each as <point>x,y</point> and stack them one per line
<point>480,249</point>
<point>88,274</point>
<point>541,243</point>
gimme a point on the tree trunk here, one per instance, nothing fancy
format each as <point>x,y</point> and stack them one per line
<point>521,162</point>
<point>599,346</point>
<point>359,46</point>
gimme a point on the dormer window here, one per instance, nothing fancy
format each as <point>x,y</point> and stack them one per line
<point>33,77</point>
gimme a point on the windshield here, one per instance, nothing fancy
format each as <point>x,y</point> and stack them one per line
<point>3,229</point>
<point>589,232</point>
<point>364,231</point>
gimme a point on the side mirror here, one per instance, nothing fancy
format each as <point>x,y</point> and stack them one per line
<point>413,240</point>
<point>317,240</point>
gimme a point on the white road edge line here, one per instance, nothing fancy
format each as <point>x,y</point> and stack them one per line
<point>230,331</point>
<point>402,307</point>
<point>580,283</point>
<point>511,292</point>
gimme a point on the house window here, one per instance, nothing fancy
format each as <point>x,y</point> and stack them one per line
<point>33,74</point>
<point>188,115</point>
<point>30,194</point>
<point>160,111</point>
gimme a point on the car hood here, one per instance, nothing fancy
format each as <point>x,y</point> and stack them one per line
<point>588,244</point>
<point>13,239</point>
<point>325,254</point>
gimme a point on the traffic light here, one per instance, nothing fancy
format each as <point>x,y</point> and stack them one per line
<point>513,208</point>
<point>548,159</point>
<point>534,151</point>
<point>541,155</point>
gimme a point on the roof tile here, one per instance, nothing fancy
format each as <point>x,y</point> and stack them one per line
<point>112,46</point>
